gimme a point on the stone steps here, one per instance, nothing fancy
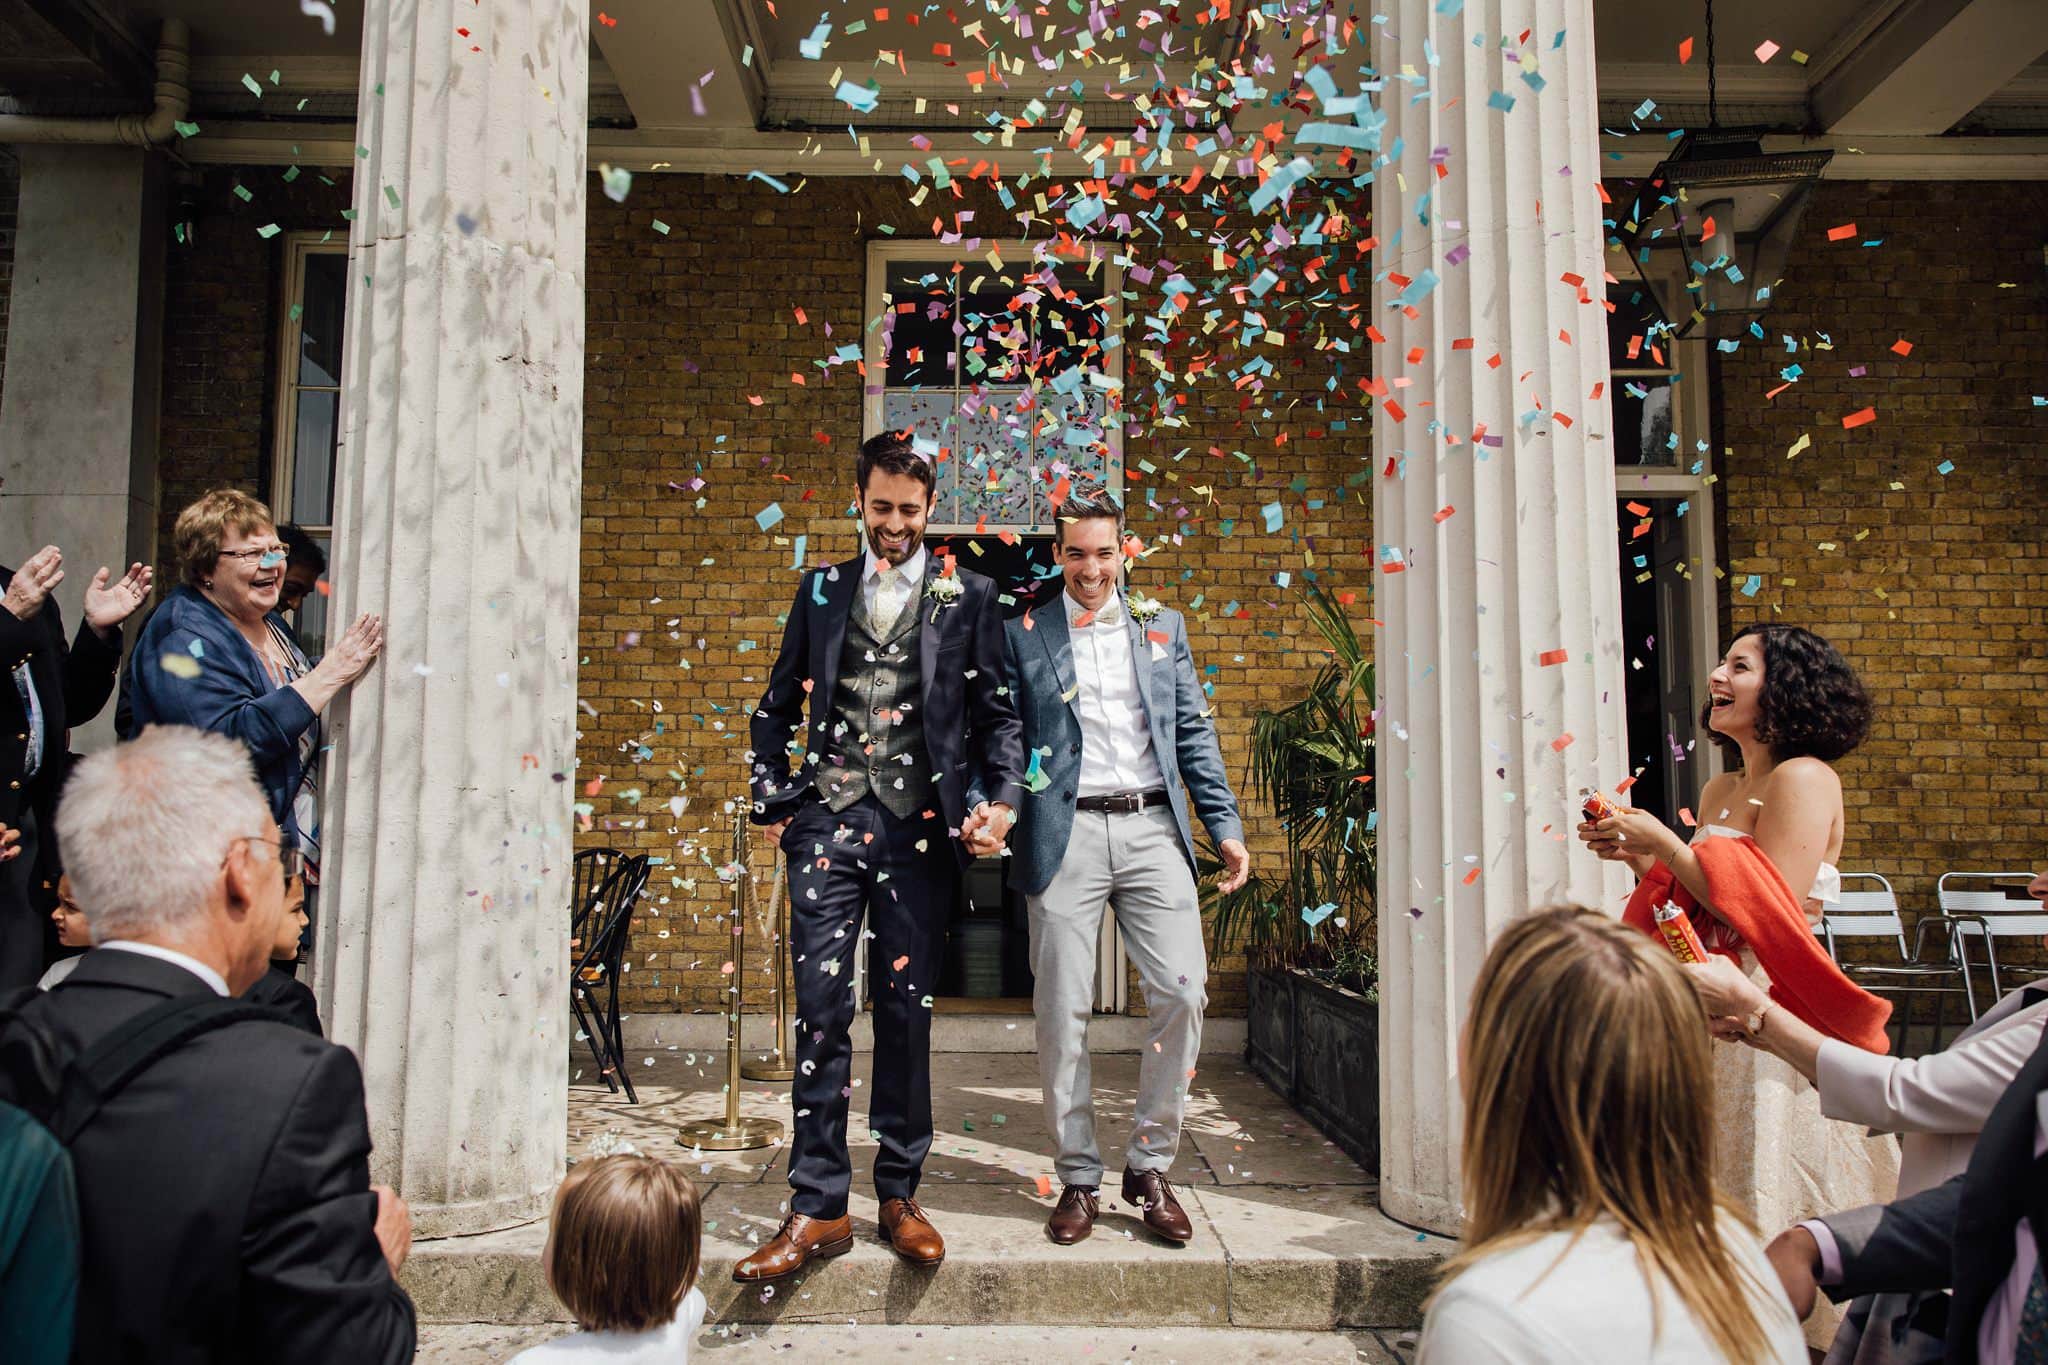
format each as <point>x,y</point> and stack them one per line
<point>1262,1256</point>
<point>826,1345</point>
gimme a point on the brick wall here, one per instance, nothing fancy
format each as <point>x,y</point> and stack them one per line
<point>682,602</point>
<point>222,302</point>
<point>1934,585</point>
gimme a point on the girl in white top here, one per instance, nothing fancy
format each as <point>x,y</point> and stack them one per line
<point>624,1243</point>
<point>1593,1231</point>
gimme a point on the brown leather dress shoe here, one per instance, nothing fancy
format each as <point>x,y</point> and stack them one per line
<point>911,1233</point>
<point>1163,1213</point>
<point>1074,1217</point>
<point>800,1240</point>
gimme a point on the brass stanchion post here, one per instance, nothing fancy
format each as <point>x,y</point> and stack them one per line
<point>778,1065</point>
<point>734,1134</point>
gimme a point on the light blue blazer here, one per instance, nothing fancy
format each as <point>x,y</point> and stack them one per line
<point>1041,667</point>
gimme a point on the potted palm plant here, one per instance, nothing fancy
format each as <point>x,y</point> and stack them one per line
<point>1308,928</point>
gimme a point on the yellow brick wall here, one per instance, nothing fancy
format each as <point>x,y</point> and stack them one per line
<point>1942,604</point>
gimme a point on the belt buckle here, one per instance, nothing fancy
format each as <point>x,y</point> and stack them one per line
<point>1130,803</point>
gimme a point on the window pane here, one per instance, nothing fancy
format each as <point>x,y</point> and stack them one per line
<point>313,459</point>
<point>995,462</point>
<point>1644,430</point>
<point>932,417</point>
<point>920,322</point>
<point>325,287</point>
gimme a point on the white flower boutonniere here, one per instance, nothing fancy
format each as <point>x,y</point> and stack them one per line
<point>944,592</point>
<point>1144,609</point>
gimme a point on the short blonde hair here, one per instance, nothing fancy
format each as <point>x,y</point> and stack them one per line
<point>624,1242</point>
<point>202,526</point>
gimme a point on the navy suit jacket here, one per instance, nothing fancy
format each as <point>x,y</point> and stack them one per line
<point>227,691</point>
<point>970,721</point>
<point>1040,663</point>
<point>1957,1235</point>
<point>224,1194</point>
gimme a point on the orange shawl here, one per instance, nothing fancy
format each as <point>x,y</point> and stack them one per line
<point>1751,898</point>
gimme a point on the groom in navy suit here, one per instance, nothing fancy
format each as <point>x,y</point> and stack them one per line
<point>913,743</point>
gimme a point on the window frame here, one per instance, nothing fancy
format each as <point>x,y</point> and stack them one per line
<point>1690,358</point>
<point>290,334</point>
<point>1110,257</point>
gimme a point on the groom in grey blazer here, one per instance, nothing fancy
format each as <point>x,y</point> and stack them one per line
<point>1115,722</point>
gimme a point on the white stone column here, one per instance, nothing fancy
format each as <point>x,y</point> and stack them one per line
<point>443,935</point>
<point>79,417</point>
<point>1501,519</point>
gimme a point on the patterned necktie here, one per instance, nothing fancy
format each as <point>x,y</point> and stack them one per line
<point>888,599</point>
<point>2031,1347</point>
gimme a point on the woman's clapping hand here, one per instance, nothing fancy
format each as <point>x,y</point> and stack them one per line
<point>351,656</point>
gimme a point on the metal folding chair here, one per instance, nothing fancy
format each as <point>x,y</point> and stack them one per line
<point>1872,912</point>
<point>1990,906</point>
<point>597,966</point>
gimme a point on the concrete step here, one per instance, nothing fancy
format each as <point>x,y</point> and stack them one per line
<point>475,1344</point>
<point>1262,1256</point>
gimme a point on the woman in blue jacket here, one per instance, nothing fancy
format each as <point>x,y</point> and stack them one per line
<point>218,656</point>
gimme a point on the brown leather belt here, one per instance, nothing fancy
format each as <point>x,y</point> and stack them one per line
<point>1121,803</point>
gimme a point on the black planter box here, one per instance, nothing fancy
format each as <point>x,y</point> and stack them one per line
<point>1319,1046</point>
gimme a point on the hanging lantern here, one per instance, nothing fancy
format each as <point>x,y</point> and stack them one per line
<point>1729,211</point>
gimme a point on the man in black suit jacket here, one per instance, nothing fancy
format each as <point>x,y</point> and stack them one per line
<point>224,1193</point>
<point>47,690</point>
<point>913,742</point>
<point>1964,1235</point>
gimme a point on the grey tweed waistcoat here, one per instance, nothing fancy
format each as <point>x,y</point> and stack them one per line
<point>877,738</point>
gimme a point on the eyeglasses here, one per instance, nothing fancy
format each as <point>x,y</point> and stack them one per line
<point>290,860</point>
<point>262,556</point>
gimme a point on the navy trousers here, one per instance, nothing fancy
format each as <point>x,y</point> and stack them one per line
<point>864,864</point>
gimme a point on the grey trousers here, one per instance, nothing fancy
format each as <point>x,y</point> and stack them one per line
<point>1133,864</point>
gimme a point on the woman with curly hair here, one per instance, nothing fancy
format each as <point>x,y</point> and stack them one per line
<point>1785,701</point>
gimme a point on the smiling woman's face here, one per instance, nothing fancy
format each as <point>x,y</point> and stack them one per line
<point>1735,688</point>
<point>248,574</point>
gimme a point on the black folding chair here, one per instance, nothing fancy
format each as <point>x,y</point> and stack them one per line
<point>598,963</point>
<point>588,873</point>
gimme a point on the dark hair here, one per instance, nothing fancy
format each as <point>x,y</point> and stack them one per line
<point>1085,501</point>
<point>300,548</point>
<point>1811,703</point>
<point>624,1243</point>
<point>892,454</point>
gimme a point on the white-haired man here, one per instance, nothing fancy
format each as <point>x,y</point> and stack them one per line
<point>224,1195</point>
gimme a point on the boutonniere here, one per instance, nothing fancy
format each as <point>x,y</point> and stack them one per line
<point>1144,609</point>
<point>944,592</point>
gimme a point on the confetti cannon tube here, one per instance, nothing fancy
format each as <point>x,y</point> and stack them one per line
<point>734,1134</point>
<point>1677,931</point>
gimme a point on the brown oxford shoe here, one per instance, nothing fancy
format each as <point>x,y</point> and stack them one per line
<point>1163,1213</point>
<point>911,1233</point>
<point>1074,1218</point>
<point>800,1240</point>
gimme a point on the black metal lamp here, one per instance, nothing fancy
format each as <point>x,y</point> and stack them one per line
<point>1730,211</point>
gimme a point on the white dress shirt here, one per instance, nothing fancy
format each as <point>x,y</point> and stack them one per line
<point>170,955</point>
<point>1116,740</point>
<point>908,575</point>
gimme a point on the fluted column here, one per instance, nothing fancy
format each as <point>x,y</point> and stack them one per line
<point>443,935</point>
<point>1500,662</point>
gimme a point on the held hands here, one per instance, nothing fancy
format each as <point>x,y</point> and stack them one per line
<point>1237,865</point>
<point>1729,995</point>
<point>10,843</point>
<point>108,605</point>
<point>33,582</point>
<point>987,828</point>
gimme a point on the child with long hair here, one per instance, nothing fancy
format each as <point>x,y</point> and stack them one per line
<point>624,1243</point>
<point>1593,1230</point>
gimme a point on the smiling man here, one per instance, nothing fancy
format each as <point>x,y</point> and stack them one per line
<point>1111,704</point>
<point>912,743</point>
